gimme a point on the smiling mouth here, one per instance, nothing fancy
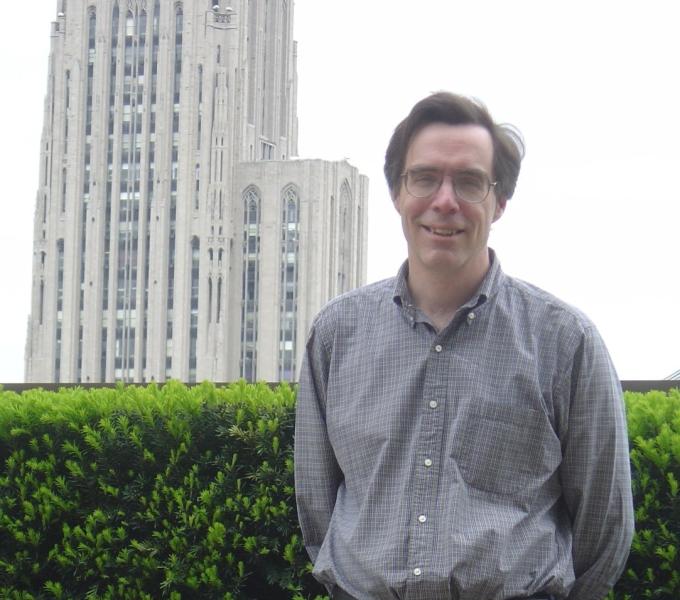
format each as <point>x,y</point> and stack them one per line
<point>442,232</point>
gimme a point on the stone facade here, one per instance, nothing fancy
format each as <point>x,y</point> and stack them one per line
<point>175,236</point>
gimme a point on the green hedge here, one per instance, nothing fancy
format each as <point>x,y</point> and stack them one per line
<point>653,569</point>
<point>150,493</point>
<point>175,492</point>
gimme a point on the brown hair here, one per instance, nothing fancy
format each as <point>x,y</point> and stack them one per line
<point>452,109</point>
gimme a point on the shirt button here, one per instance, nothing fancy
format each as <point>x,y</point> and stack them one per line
<point>471,317</point>
<point>438,348</point>
<point>417,571</point>
<point>428,462</point>
<point>433,404</point>
<point>422,518</point>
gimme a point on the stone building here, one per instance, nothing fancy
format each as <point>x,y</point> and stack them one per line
<point>176,236</point>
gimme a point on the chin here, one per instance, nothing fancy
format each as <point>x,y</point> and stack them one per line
<point>441,262</point>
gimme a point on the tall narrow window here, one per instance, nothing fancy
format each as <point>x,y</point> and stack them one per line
<point>174,173</point>
<point>63,190</point>
<point>254,36</point>
<point>199,120</point>
<point>60,308</point>
<point>197,185</point>
<point>359,246</point>
<point>151,158</point>
<point>332,250</point>
<point>219,299</point>
<point>284,86</point>
<point>266,66</point>
<point>193,324</point>
<point>103,354</point>
<point>250,288</point>
<point>154,58</point>
<point>41,306</point>
<point>91,47</point>
<point>129,196</point>
<point>210,299</point>
<point>179,21</point>
<point>67,105</point>
<point>290,223</point>
<point>110,162</point>
<point>345,239</point>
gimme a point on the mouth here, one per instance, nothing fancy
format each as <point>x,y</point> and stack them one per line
<point>442,231</point>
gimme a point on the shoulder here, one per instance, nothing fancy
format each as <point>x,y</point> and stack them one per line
<point>558,330</point>
<point>351,305</point>
<point>351,315</point>
<point>566,346</point>
<point>543,308</point>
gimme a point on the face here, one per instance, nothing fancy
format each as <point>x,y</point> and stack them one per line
<point>447,237</point>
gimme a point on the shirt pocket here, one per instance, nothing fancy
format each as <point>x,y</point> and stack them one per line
<point>504,449</point>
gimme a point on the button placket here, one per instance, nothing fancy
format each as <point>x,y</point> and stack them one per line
<point>428,446</point>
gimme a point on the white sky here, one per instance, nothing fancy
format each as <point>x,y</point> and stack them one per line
<point>592,85</point>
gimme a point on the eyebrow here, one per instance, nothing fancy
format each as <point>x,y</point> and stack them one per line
<point>428,168</point>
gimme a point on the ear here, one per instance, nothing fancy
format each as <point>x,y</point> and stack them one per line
<point>500,208</point>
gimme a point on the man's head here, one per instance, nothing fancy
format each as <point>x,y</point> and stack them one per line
<point>452,109</point>
<point>450,169</point>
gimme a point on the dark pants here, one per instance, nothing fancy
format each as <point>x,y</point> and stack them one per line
<point>339,594</point>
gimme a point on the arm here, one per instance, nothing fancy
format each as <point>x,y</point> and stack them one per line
<point>317,475</point>
<point>595,471</point>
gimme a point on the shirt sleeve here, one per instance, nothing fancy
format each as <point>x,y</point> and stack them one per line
<point>595,471</point>
<point>317,474</point>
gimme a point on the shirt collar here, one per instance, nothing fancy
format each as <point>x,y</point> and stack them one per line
<point>491,283</point>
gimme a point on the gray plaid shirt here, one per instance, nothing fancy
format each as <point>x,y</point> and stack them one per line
<point>483,462</point>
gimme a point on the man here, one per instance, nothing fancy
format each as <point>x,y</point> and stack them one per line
<point>460,434</point>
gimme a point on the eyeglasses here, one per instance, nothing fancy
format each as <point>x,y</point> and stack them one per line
<point>469,186</point>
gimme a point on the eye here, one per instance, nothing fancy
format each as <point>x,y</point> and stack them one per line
<point>424,178</point>
<point>473,182</point>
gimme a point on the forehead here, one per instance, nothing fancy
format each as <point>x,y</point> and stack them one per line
<point>451,146</point>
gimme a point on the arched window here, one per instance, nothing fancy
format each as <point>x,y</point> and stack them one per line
<point>290,224</point>
<point>250,288</point>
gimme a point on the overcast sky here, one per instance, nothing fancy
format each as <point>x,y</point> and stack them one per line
<point>592,85</point>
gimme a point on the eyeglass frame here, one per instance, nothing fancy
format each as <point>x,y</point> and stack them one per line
<point>441,175</point>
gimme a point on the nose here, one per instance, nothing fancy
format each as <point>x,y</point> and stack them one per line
<point>445,199</point>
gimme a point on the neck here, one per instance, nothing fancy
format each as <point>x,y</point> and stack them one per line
<point>440,295</point>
